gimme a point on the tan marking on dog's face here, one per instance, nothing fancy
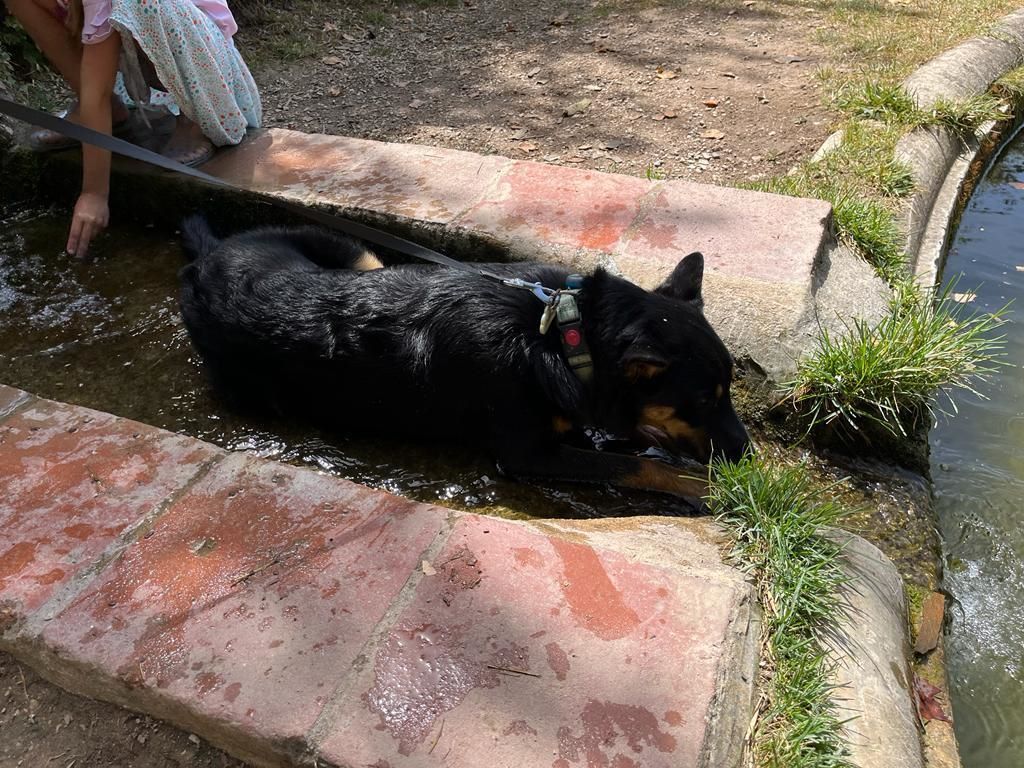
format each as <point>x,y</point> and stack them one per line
<point>561,425</point>
<point>656,476</point>
<point>665,418</point>
<point>642,369</point>
<point>367,262</point>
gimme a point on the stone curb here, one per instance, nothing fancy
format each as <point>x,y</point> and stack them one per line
<point>872,633</point>
<point>273,610</point>
<point>940,160</point>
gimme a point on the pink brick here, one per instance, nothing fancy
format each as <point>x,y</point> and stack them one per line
<point>542,205</point>
<point>619,658</point>
<point>746,234</point>
<point>427,184</point>
<point>253,596</point>
<point>71,481</point>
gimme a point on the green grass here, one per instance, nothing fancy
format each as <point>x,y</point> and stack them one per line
<point>776,516</point>
<point>891,373</point>
<point>889,103</point>
<point>653,174</point>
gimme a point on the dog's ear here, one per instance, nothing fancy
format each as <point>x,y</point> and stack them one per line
<point>643,362</point>
<point>686,280</point>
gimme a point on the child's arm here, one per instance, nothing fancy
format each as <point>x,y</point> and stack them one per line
<point>99,70</point>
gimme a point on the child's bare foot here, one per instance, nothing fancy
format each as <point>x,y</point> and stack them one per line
<point>45,140</point>
<point>187,144</point>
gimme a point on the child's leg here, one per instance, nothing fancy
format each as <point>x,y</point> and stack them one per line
<point>51,37</point>
<point>64,53</point>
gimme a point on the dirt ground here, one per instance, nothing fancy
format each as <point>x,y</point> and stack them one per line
<point>42,726</point>
<point>721,92</point>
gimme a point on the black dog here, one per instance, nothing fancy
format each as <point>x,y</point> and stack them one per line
<point>307,323</point>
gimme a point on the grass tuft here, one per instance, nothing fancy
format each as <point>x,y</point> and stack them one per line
<point>872,100</point>
<point>890,104</point>
<point>776,516</point>
<point>893,372</point>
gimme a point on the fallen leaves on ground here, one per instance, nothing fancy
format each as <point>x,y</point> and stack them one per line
<point>928,706</point>
<point>710,102</point>
<point>665,74</point>
<point>712,133</point>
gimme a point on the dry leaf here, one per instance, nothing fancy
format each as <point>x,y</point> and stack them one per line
<point>329,27</point>
<point>712,133</point>
<point>928,706</point>
<point>428,569</point>
<point>416,104</point>
<point>670,114</point>
<point>665,74</point>
<point>576,108</point>
<point>729,74</point>
<point>593,87</point>
<point>527,146</point>
<point>658,116</point>
<point>335,91</point>
<point>1017,184</point>
<point>964,298</point>
<point>711,103</point>
<point>331,61</point>
<point>575,159</point>
<point>402,83</point>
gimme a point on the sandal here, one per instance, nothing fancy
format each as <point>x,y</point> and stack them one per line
<point>197,156</point>
<point>45,140</point>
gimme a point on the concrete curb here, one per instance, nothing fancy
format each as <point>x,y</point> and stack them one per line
<point>872,673</point>
<point>941,161</point>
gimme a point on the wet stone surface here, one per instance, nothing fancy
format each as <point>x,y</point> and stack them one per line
<point>252,596</point>
<point>539,651</point>
<point>71,482</point>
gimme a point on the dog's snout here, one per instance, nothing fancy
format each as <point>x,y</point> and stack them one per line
<point>733,441</point>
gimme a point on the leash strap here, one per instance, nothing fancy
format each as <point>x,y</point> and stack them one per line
<point>337,223</point>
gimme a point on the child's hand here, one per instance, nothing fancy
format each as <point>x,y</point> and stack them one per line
<point>89,219</point>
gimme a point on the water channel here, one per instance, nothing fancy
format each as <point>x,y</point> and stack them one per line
<point>106,333</point>
<point>978,469</point>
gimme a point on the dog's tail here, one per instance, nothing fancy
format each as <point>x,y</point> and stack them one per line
<point>197,239</point>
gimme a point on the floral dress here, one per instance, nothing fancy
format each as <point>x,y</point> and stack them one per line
<point>190,44</point>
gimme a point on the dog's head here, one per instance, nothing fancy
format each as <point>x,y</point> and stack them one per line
<point>679,372</point>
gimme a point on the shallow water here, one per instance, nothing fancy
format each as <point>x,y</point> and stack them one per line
<point>978,467</point>
<point>107,334</point>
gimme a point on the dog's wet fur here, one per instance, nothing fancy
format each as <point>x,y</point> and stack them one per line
<point>307,323</point>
